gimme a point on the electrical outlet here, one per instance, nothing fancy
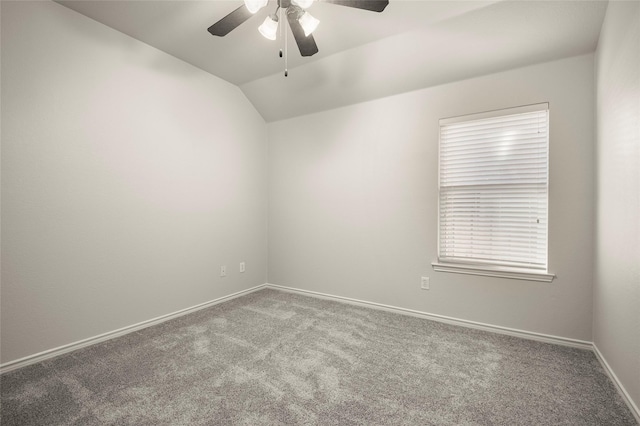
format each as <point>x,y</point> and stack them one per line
<point>223,271</point>
<point>242,267</point>
<point>424,283</point>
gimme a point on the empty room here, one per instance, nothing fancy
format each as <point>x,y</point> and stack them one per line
<point>320,212</point>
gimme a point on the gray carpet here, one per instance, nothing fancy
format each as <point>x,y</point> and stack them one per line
<point>274,358</point>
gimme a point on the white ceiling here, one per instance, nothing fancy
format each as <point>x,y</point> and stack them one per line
<point>362,55</point>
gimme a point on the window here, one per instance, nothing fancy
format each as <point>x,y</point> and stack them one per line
<point>493,189</point>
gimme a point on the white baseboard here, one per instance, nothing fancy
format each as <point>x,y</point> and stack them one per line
<point>621,389</point>
<point>581,344</point>
<point>51,353</point>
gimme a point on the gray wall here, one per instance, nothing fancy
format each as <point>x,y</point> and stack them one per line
<point>353,201</point>
<point>616,326</point>
<point>128,178</point>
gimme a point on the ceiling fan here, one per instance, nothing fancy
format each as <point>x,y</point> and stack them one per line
<point>301,22</point>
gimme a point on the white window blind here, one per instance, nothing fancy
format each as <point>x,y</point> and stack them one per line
<point>494,188</point>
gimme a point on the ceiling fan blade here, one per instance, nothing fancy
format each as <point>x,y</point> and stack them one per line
<point>372,5</point>
<point>230,22</point>
<point>306,44</point>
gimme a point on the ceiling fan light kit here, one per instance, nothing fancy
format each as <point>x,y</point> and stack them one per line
<point>255,5</point>
<point>308,23</point>
<point>302,3</point>
<point>269,28</point>
<point>301,22</point>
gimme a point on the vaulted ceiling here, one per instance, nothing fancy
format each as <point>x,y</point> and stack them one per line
<point>362,55</point>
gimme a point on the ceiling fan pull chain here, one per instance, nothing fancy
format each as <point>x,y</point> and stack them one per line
<point>286,58</point>
<point>279,11</point>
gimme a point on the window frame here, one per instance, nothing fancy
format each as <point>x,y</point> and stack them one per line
<point>483,269</point>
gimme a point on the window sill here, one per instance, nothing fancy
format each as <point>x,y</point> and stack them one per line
<point>488,271</point>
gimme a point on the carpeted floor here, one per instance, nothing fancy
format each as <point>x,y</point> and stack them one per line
<point>275,358</point>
